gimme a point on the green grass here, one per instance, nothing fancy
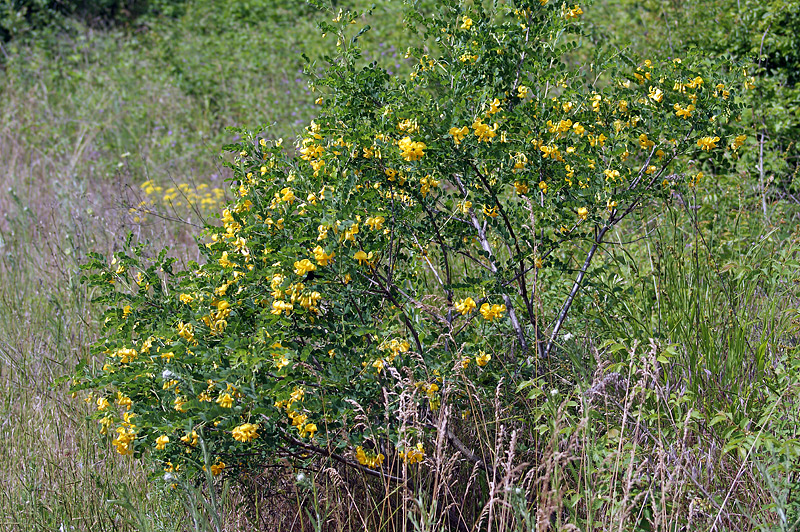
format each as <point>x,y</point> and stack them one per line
<point>85,119</point>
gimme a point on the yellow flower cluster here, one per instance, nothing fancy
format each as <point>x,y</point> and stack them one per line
<point>245,432</point>
<point>375,222</point>
<point>465,306</point>
<point>322,258</point>
<point>126,433</point>
<point>410,150</point>
<point>458,134</point>
<point>492,312</point>
<point>216,321</point>
<point>216,468</point>
<point>161,442</point>
<point>191,439</point>
<point>484,132</point>
<point>299,420</point>
<point>302,267</point>
<point>426,184</point>
<point>707,143</point>
<point>395,347</point>
<point>414,454</point>
<point>684,112</point>
<point>370,460</point>
<point>363,257</point>
<point>125,354</point>
<point>571,13</point>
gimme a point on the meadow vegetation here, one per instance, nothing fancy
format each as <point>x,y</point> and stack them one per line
<point>459,266</point>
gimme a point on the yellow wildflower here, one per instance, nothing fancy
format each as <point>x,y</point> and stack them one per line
<point>410,150</point>
<point>302,267</point>
<point>707,143</point>
<point>492,312</point>
<point>321,257</point>
<point>225,400</point>
<point>465,306</point>
<point>458,134</point>
<point>245,432</point>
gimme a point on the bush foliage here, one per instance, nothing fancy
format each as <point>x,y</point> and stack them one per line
<point>420,252</point>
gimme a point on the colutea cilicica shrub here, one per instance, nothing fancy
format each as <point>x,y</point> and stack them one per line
<point>423,243</point>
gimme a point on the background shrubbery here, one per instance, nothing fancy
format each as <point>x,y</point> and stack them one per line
<point>670,399</point>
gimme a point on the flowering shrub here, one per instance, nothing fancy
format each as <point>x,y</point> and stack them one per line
<point>425,243</point>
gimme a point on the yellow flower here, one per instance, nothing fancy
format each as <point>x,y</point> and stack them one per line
<point>490,211</point>
<point>492,312</point>
<point>321,257</point>
<point>465,306</point>
<point>178,403</point>
<point>217,468</point>
<point>308,429</point>
<point>684,112</point>
<point>414,455</point>
<point>465,207</point>
<point>543,187</point>
<point>522,91</point>
<point>466,23</point>
<point>426,183</point>
<point>161,442</point>
<point>575,12</point>
<point>375,222</point>
<point>520,187</point>
<point>190,439</point>
<point>185,299</point>
<point>410,150</point>
<point>583,213</point>
<point>287,195</point>
<point>281,306</point>
<point>738,142</point>
<point>600,139</point>
<point>708,143</point>
<point>482,359</point>
<point>458,134</point>
<point>124,439</point>
<point>102,403</point>
<point>655,94</point>
<point>611,175</point>
<point>302,267</point>
<point>224,261</point>
<point>494,107</point>
<point>360,256</point>
<point>245,432</point>
<point>371,460</point>
<point>349,234</point>
<point>484,132</point>
<point>123,400</point>
<point>225,400</point>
